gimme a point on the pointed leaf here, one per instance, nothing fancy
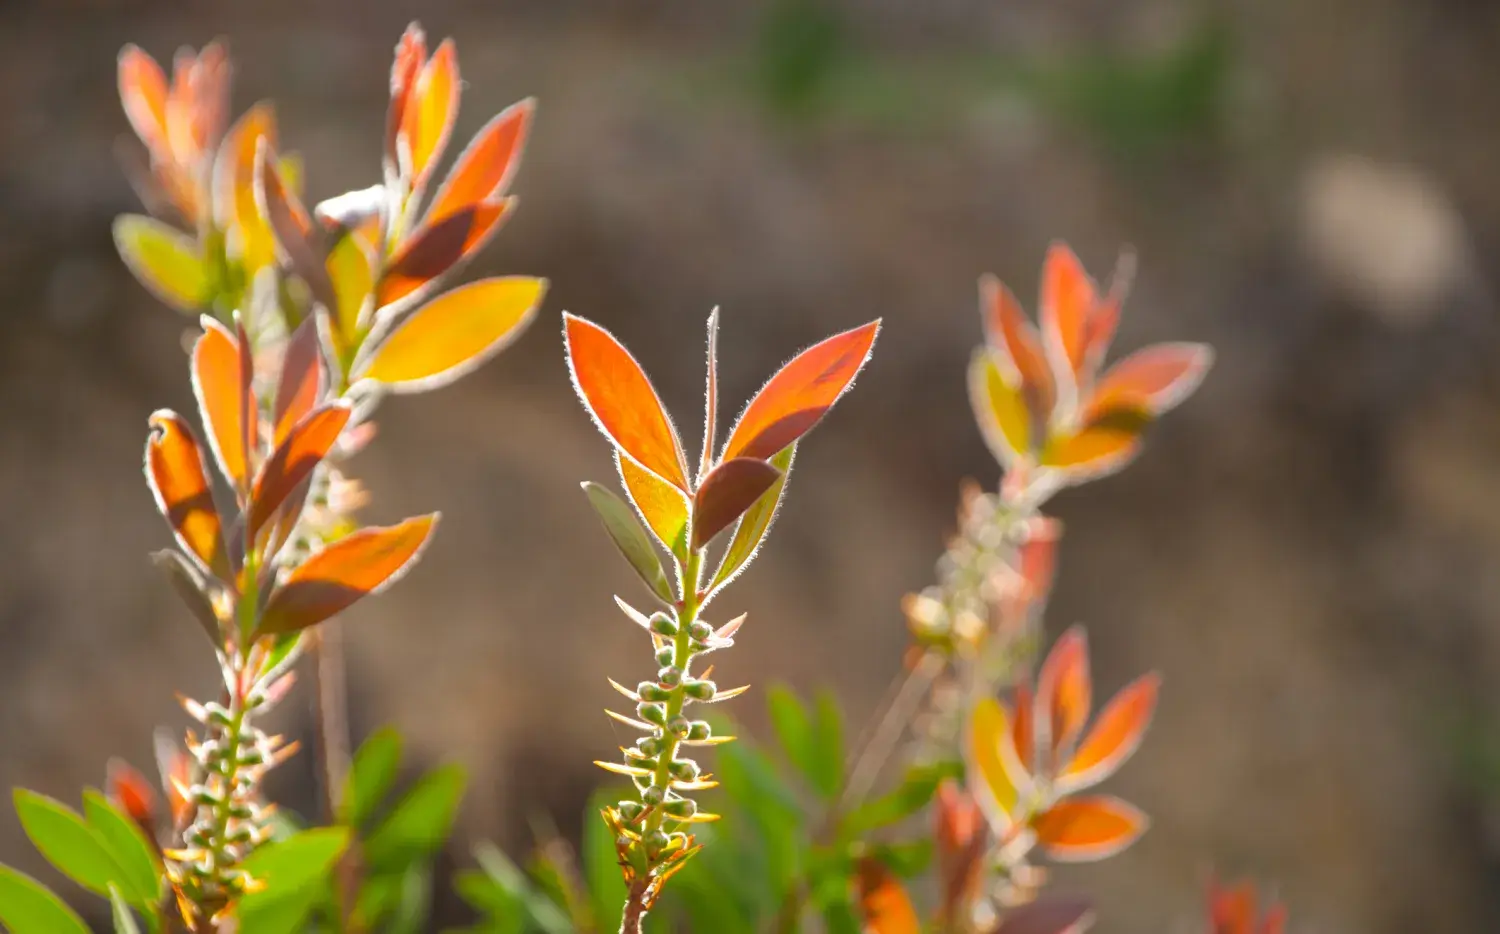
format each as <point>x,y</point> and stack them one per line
<point>883,903</point>
<point>1000,408</point>
<point>1064,694</point>
<point>630,538</point>
<point>1016,344</point>
<point>143,92</point>
<point>179,483</point>
<point>660,504</point>
<point>1114,737</point>
<point>333,579</point>
<point>993,770</point>
<point>1089,828</point>
<point>221,382</point>
<point>1053,914</point>
<point>427,119</point>
<point>755,523</point>
<point>601,864</point>
<point>485,167</point>
<point>1068,299</point>
<point>435,248</point>
<point>352,275</point>
<point>28,907</point>
<point>1023,729</point>
<point>728,491</point>
<point>67,841</point>
<point>411,52</point>
<point>455,332</point>
<point>277,201</point>
<point>140,883</point>
<point>235,209</point>
<point>294,460</point>
<point>131,793</point>
<point>420,823</point>
<point>301,380</point>
<point>620,398</point>
<point>371,776</point>
<point>165,260</point>
<point>1152,380</point>
<point>798,396</point>
<point>124,921</point>
<point>1105,445</point>
<point>295,872</point>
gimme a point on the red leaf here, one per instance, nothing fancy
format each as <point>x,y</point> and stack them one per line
<point>797,397</point>
<point>411,51</point>
<point>884,905</point>
<point>434,248</point>
<point>1068,299</point>
<point>1051,915</point>
<point>1023,734</point>
<point>1063,693</point>
<point>1115,735</point>
<point>129,791</point>
<point>617,393</point>
<point>221,383</point>
<point>427,118</point>
<point>485,167</point>
<point>335,578</point>
<point>726,493</point>
<point>1100,328</point>
<point>1089,828</point>
<point>179,483</point>
<point>1152,380</point>
<point>1017,346</point>
<point>301,380</point>
<point>143,92</point>
<point>294,460</point>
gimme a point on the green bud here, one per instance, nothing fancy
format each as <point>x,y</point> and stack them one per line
<point>623,842</point>
<point>630,810</point>
<point>700,631</point>
<point>652,796</point>
<point>640,757</point>
<point>656,841</point>
<point>681,808</point>
<point>699,730</point>
<point>669,676</point>
<point>700,690</point>
<point>648,745</point>
<point>652,713</point>
<point>684,770</point>
<point>665,655</point>
<point>679,727</point>
<point>641,782</point>
<point>663,625</point>
<point>651,691</point>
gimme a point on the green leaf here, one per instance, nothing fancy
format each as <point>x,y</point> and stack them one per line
<point>165,260</point>
<point>419,824</point>
<point>913,794</point>
<point>793,730</point>
<point>755,523</point>
<point>413,903</point>
<point>370,775</point>
<point>68,842</point>
<point>296,873</point>
<point>510,882</point>
<point>750,779</point>
<point>601,866</point>
<point>28,907</point>
<point>141,881</point>
<point>626,532</point>
<point>826,768</point>
<point>120,912</point>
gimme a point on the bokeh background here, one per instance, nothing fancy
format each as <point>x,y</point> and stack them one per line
<point>1309,550</point>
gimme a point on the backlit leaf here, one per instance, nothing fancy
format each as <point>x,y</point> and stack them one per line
<point>798,396</point>
<point>755,523</point>
<point>455,332</point>
<point>165,260</point>
<point>1000,409</point>
<point>1023,729</point>
<point>728,491</point>
<point>371,775</point>
<point>993,771</point>
<point>630,538</point>
<point>221,383</point>
<point>28,907</point>
<point>1064,691</point>
<point>67,841</point>
<point>883,902</point>
<point>411,52</point>
<point>119,910</point>
<point>1115,735</point>
<point>131,792</point>
<point>618,395</point>
<point>1102,447</point>
<point>333,579</point>
<point>427,119</point>
<point>143,92</point>
<point>485,167</point>
<point>662,505</point>
<point>277,201</point>
<point>179,482</point>
<point>352,275</point>
<point>435,248</point>
<point>301,379</point>
<point>235,209</point>
<point>1068,299</point>
<point>140,881</point>
<point>419,824</point>
<point>710,397</point>
<point>1152,380</point>
<point>295,872</point>
<point>294,460</point>
<point>1088,828</point>
<point>1051,914</point>
<point>1017,346</point>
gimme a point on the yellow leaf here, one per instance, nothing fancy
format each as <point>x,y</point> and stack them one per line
<point>353,279</point>
<point>164,259</point>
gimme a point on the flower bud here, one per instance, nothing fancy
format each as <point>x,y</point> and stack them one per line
<point>665,655</point>
<point>652,713</point>
<point>631,810</point>
<point>649,745</point>
<point>663,625</point>
<point>699,730</point>
<point>700,690</point>
<point>684,770</point>
<point>651,691</point>
<point>641,782</point>
<point>679,727</point>
<point>700,631</point>
<point>669,676</point>
<point>681,808</point>
<point>652,796</point>
<point>656,841</point>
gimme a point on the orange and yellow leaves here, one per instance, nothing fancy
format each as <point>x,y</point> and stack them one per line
<point>994,775</point>
<point>1015,344</point>
<point>1005,420</point>
<point>222,372</point>
<point>294,460</point>
<point>143,92</point>
<point>1153,380</point>
<point>1233,910</point>
<point>1087,829</point>
<point>235,209</point>
<point>798,396</point>
<point>884,906</point>
<point>485,167</point>
<point>429,111</point>
<point>301,380</point>
<point>728,491</point>
<point>434,248</point>
<point>165,260</point>
<point>179,122</point>
<point>619,396</point>
<point>455,333</point>
<point>1115,735</point>
<point>1064,690</point>
<point>351,274</point>
<point>1069,298</point>
<point>664,507</point>
<point>411,52</point>
<point>335,578</point>
<point>179,482</point>
<point>755,523</point>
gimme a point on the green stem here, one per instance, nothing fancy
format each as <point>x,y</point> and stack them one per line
<point>682,657</point>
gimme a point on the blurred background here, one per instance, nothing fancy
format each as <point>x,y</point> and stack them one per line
<point>1308,550</point>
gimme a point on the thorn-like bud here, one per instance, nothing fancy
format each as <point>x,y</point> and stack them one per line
<point>670,676</point>
<point>663,625</point>
<point>650,691</point>
<point>681,808</point>
<point>699,730</point>
<point>700,690</point>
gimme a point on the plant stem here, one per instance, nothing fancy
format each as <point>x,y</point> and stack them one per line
<point>635,907</point>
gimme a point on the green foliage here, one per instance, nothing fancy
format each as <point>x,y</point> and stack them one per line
<point>28,907</point>
<point>78,850</point>
<point>296,873</point>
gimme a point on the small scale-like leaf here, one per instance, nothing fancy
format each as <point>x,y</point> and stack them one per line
<point>371,776</point>
<point>454,333</point>
<point>664,507</point>
<point>883,902</point>
<point>727,493</point>
<point>221,383</point>
<point>755,523</point>
<point>411,53</point>
<point>433,249</point>
<point>794,400</point>
<point>28,907</point>
<point>68,842</point>
<point>419,824</point>
<point>484,169</point>
<point>141,882</point>
<point>1088,828</point>
<point>165,260</point>
<point>294,460</point>
<point>1115,735</point>
<point>1052,914</point>
<point>179,483</point>
<point>626,532</point>
<point>332,580</point>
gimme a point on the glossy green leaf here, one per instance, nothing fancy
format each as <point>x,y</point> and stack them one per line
<point>165,260</point>
<point>68,842</point>
<point>28,907</point>
<point>296,873</point>
<point>601,867</point>
<point>371,775</point>
<point>626,532</point>
<point>754,524</point>
<point>419,824</point>
<point>141,882</point>
<point>120,913</point>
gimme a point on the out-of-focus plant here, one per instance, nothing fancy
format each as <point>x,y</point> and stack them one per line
<point>1234,909</point>
<point>740,487</point>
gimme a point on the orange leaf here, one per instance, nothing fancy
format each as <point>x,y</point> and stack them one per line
<point>1115,735</point>
<point>994,772</point>
<point>1100,328</point>
<point>1068,299</point>
<point>221,382</point>
<point>234,187</point>
<point>617,393</point>
<point>1036,557</point>
<point>485,167</point>
<point>1023,731</point>
<point>294,460</point>
<point>1000,410</point>
<point>1017,346</point>
<point>797,397</point>
<point>291,224</point>
<point>301,380</point>
<point>427,118</point>
<point>411,52</point>
<point>726,493</point>
<point>662,505</point>
<point>179,483</point>
<point>1063,693</point>
<point>1105,445</point>
<point>434,248</point>
<point>176,769</point>
<point>455,332</point>
<point>143,92</point>
<point>335,578</point>
<point>129,791</point>
<point>884,905</point>
<point>1087,829</point>
<point>1152,380</point>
